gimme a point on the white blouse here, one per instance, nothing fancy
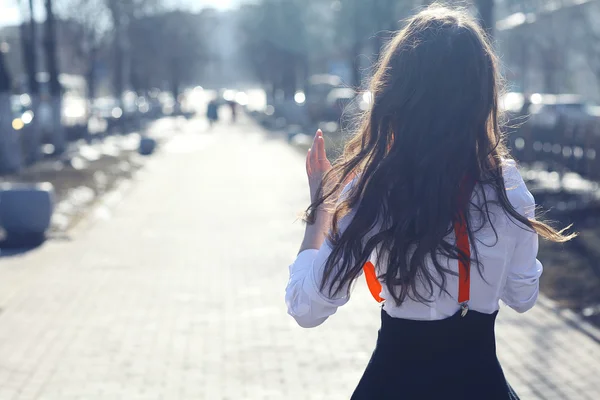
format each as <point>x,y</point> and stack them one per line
<point>510,271</point>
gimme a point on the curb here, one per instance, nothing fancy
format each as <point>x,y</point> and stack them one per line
<point>103,206</point>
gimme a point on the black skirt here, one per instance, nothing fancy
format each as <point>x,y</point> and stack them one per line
<point>454,358</point>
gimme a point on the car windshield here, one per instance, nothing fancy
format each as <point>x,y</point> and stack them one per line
<point>340,94</point>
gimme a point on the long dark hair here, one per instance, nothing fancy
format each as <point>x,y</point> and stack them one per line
<point>433,122</point>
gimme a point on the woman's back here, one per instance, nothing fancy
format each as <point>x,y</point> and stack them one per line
<point>506,252</point>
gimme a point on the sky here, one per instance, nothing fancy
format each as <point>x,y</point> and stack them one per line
<point>9,12</point>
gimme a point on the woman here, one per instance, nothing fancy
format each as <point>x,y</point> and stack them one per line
<point>432,192</point>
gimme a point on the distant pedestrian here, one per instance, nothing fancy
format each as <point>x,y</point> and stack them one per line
<point>212,112</point>
<point>427,204</point>
<point>233,107</point>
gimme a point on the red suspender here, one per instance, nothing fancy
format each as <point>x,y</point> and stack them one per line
<point>462,242</point>
<point>464,278</point>
<point>372,281</point>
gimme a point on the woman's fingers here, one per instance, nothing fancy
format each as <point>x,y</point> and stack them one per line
<point>321,154</point>
<point>316,159</point>
<point>318,151</point>
<point>314,152</point>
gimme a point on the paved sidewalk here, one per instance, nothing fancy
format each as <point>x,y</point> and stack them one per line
<point>178,294</point>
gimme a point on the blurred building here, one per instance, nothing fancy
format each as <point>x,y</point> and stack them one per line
<point>550,46</point>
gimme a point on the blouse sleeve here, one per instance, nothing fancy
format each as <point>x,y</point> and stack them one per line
<point>524,271</point>
<point>523,280</point>
<point>305,301</point>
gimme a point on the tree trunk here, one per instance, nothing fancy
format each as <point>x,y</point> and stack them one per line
<point>524,61</point>
<point>356,73</point>
<point>175,84</point>
<point>10,149</point>
<point>550,80</point>
<point>387,21</point>
<point>381,39</point>
<point>5,79</point>
<point>119,58</point>
<point>90,77</point>
<point>115,10</point>
<point>303,72</point>
<point>486,14</point>
<point>58,132</point>
<point>32,134</point>
<point>29,45</point>
<point>289,77</point>
<point>50,45</point>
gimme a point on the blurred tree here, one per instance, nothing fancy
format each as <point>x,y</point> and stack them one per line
<point>256,48</point>
<point>485,8</point>
<point>276,43</point>
<point>58,137</point>
<point>134,30</point>
<point>359,22</point>
<point>182,51</point>
<point>93,25</point>
<point>585,27</point>
<point>537,49</point>
<point>277,34</point>
<point>123,14</point>
<point>386,18</point>
<point>552,49</point>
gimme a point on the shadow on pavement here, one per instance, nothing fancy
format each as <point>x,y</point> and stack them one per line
<point>10,250</point>
<point>13,247</point>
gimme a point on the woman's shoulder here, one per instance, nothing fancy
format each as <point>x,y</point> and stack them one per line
<point>516,190</point>
<point>510,173</point>
<point>348,187</point>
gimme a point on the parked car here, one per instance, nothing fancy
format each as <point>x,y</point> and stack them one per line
<point>75,116</point>
<point>545,111</point>
<point>131,112</point>
<point>21,110</point>
<point>75,110</point>
<point>353,108</point>
<point>106,110</point>
<point>318,87</point>
<point>337,101</point>
<point>561,130</point>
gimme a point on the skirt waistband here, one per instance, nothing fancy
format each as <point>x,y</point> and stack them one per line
<point>418,339</point>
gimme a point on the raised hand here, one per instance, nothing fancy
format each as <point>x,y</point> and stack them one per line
<point>317,164</point>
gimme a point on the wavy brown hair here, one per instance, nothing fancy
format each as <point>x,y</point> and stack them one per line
<point>434,120</point>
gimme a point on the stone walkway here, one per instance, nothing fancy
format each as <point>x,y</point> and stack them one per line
<point>177,293</point>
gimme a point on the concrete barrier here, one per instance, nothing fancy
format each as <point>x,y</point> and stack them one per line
<point>147,146</point>
<point>25,212</point>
